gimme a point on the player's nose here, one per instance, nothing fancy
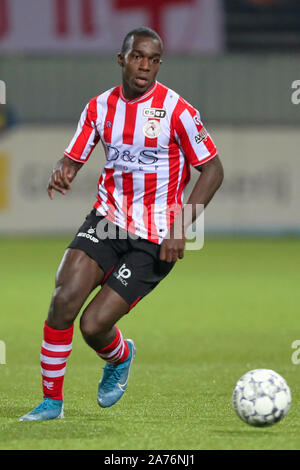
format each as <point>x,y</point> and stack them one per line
<point>144,64</point>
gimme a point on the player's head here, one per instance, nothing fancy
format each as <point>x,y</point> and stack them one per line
<point>140,59</point>
<point>144,31</point>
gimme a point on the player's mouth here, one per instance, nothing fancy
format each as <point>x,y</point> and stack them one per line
<point>141,82</point>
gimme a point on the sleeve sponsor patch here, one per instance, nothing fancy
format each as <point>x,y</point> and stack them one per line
<point>201,136</point>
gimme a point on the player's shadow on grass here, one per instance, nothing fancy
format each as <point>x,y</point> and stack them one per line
<point>12,412</point>
<point>249,432</point>
<point>98,415</point>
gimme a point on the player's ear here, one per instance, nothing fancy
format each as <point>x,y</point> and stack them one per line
<point>121,60</point>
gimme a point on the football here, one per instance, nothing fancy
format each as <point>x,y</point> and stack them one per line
<point>261,397</point>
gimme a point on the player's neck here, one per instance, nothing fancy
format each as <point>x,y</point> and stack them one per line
<point>130,94</point>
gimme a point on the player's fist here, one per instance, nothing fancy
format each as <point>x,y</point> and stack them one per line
<point>62,175</point>
<point>172,249</point>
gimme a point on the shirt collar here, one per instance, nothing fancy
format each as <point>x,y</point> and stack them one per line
<point>140,98</point>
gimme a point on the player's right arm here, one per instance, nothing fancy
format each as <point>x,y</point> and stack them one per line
<point>63,174</point>
<point>78,151</point>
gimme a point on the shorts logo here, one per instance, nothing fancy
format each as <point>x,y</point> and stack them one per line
<point>154,113</point>
<point>201,136</point>
<point>89,235</point>
<point>152,129</point>
<point>123,273</point>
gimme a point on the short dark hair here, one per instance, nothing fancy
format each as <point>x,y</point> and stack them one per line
<point>142,31</point>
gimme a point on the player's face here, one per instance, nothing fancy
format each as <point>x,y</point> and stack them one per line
<point>140,66</point>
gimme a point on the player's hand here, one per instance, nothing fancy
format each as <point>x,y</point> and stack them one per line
<point>63,174</point>
<point>172,247</point>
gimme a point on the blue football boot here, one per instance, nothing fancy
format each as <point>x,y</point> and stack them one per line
<point>47,409</point>
<point>115,378</point>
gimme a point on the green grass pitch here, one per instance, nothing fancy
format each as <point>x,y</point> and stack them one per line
<point>224,310</point>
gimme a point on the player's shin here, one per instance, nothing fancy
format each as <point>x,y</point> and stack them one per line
<point>56,348</point>
<point>118,355</point>
<point>117,351</point>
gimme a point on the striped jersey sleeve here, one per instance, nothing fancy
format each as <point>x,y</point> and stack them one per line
<point>196,143</point>
<point>86,136</point>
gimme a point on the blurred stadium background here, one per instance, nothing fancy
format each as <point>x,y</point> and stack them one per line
<point>235,60</point>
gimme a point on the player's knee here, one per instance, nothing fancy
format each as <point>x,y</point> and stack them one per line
<point>93,325</point>
<point>63,305</point>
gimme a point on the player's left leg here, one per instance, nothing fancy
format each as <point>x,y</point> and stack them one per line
<point>139,271</point>
<point>98,327</point>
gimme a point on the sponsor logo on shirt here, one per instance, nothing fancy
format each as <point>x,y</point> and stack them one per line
<point>154,113</point>
<point>145,157</point>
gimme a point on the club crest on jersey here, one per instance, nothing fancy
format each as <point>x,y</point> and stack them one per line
<point>152,129</point>
<point>154,113</point>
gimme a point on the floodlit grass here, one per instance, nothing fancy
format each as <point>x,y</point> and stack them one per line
<point>224,310</point>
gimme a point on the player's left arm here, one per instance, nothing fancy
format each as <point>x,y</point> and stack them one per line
<point>200,152</point>
<point>210,179</point>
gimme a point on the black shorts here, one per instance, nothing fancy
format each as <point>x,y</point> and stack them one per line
<point>131,264</point>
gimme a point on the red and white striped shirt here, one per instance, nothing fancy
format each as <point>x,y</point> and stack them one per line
<point>150,143</point>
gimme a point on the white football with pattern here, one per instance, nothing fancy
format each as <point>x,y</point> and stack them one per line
<point>261,397</point>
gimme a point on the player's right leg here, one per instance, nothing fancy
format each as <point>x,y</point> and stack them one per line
<point>77,277</point>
